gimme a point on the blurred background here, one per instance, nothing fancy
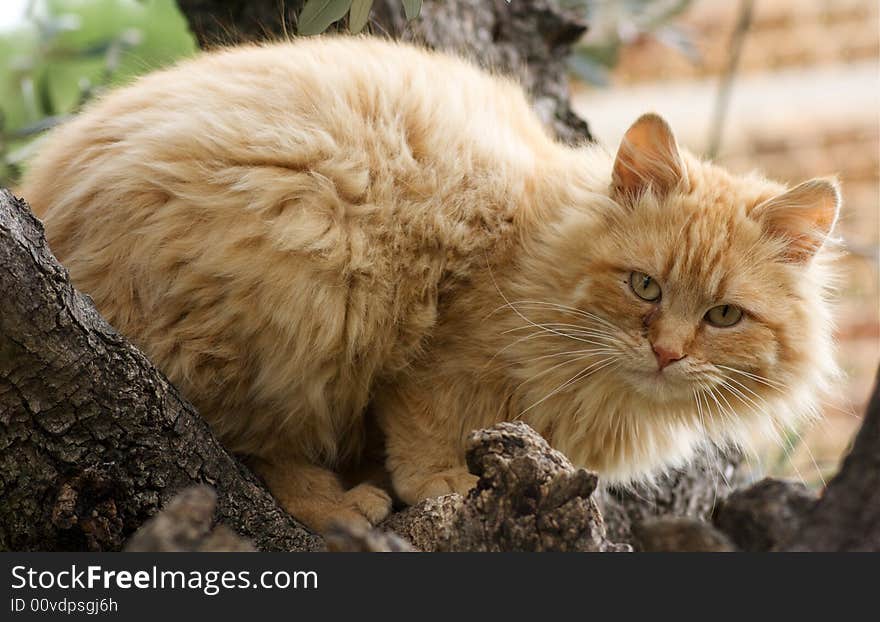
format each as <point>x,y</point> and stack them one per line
<point>791,87</point>
<point>57,54</point>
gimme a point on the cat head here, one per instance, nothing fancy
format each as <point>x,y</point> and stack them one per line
<point>692,300</point>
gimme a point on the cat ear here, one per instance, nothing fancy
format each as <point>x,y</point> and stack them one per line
<point>648,157</point>
<point>804,216</point>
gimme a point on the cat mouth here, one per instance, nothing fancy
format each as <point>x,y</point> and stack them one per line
<point>661,384</point>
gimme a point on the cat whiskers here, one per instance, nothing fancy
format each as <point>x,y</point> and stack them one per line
<point>707,392</point>
<point>784,440</point>
<point>605,345</point>
<point>738,387</point>
<point>748,396</point>
<point>584,373</point>
<point>536,334</point>
<point>552,305</point>
<point>605,340</point>
<point>773,384</point>
<point>577,332</point>
<point>558,307</point>
<point>588,334</point>
<point>703,427</point>
<point>570,352</point>
<point>570,331</point>
<point>699,410</point>
<point>587,354</point>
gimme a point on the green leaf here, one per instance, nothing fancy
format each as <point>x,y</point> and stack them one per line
<point>317,15</point>
<point>358,15</point>
<point>412,8</point>
<point>44,94</point>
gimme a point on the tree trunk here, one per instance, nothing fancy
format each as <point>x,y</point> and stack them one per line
<point>847,517</point>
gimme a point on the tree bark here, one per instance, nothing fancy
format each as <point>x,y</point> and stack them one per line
<point>669,534</point>
<point>765,516</point>
<point>187,525</point>
<point>847,516</point>
<point>529,40</point>
<point>529,498</point>
<point>688,493</point>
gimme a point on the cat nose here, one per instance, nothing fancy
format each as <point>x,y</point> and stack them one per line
<point>665,356</point>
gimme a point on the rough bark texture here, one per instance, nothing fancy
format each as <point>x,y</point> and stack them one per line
<point>361,540</point>
<point>675,533</point>
<point>93,439</point>
<point>692,492</point>
<point>187,524</point>
<point>529,498</point>
<point>766,515</point>
<point>847,517</point>
<point>427,525</point>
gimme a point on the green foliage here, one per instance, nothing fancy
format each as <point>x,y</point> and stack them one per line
<point>412,8</point>
<point>617,23</point>
<point>359,15</point>
<point>66,52</point>
<point>317,15</point>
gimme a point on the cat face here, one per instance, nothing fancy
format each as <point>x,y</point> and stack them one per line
<point>691,293</point>
<point>695,293</point>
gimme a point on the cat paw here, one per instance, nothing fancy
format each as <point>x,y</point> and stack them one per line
<point>359,509</point>
<point>371,502</point>
<point>436,485</point>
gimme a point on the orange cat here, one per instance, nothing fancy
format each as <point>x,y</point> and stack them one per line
<point>297,232</point>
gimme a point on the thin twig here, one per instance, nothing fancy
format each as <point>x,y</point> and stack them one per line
<point>726,86</point>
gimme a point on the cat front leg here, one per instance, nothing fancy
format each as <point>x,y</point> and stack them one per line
<point>424,449</point>
<point>414,485</point>
<point>316,496</point>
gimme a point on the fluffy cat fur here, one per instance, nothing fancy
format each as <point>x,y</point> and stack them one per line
<point>306,233</point>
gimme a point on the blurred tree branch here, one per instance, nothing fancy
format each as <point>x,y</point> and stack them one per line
<point>725,87</point>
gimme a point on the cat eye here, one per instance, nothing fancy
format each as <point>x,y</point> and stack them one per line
<point>724,315</point>
<point>644,286</point>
